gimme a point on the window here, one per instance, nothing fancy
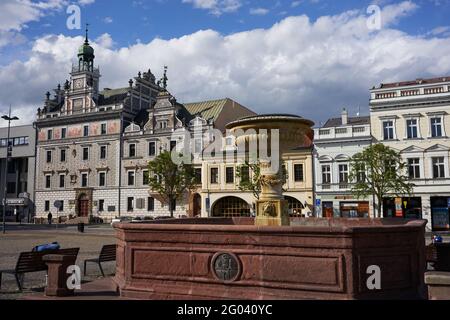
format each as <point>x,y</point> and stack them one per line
<point>49,156</point>
<point>411,128</point>
<point>61,209</point>
<point>150,204</point>
<point>197,146</point>
<point>131,178</point>
<point>245,174</point>
<point>101,205</point>
<point>326,174</point>
<point>173,145</point>
<point>49,134</point>
<point>62,155</point>
<point>11,188</point>
<point>103,153</point>
<point>63,133</point>
<point>103,129</point>
<point>12,166</point>
<point>414,168</point>
<point>145,178</point>
<point>229,141</point>
<point>47,205</point>
<point>298,172</point>
<point>86,131</point>
<point>229,175</point>
<point>343,173</point>
<point>152,149</point>
<point>62,180</point>
<point>130,204</point>
<point>163,124</point>
<point>132,150</point>
<point>48,181</point>
<point>436,127</point>
<point>84,180</point>
<point>388,130</point>
<point>438,167</point>
<point>214,175</point>
<point>102,179</point>
<point>85,154</point>
<point>361,173</point>
<point>198,175</point>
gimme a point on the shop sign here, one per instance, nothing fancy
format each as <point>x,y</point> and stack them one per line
<point>398,207</point>
<point>21,202</point>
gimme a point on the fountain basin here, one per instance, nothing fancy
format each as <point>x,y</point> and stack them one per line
<point>234,259</point>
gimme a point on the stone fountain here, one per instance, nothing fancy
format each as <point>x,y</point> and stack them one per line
<point>290,131</point>
<point>271,257</point>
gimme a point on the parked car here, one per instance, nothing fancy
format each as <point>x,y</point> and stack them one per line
<point>136,219</point>
<point>121,219</point>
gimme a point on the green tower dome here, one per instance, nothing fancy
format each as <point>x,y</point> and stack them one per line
<point>86,52</point>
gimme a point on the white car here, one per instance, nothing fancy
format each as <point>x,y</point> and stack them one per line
<point>121,219</point>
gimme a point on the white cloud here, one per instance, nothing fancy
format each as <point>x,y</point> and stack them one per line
<point>85,2</point>
<point>16,14</point>
<point>108,20</point>
<point>216,7</point>
<point>295,4</point>
<point>310,68</point>
<point>259,11</point>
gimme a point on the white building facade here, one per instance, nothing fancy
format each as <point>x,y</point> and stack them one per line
<point>335,144</point>
<point>413,118</point>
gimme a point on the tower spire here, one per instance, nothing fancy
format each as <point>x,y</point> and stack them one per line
<point>87,32</point>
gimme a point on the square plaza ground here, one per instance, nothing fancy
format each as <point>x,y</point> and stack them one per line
<point>19,240</point>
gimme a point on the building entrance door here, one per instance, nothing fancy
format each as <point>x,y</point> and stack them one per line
<point>197,205</point>
<point>83,206</point>
<point>328,211</point>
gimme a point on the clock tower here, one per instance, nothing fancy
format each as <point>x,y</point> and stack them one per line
<point>83,89</point>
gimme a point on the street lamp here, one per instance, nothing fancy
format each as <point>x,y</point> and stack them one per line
<point>8,156</point>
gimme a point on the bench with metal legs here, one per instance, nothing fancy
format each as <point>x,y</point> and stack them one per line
<point>108,253</point>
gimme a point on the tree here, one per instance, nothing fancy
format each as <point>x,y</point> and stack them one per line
<point>253,184</point>
<point>169,180</point>
<point>379,170</point>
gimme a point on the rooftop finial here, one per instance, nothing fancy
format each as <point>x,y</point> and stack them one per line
<point>87,31</point>
<point>165,79</point>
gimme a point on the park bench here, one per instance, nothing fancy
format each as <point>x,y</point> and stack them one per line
<point>108,253</point>
<point>438,256</point>
<point>30,262</point>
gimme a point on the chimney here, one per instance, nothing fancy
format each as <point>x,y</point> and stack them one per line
<point>344,117</point>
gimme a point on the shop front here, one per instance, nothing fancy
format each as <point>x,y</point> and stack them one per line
<point>440,213</point>
<point>406,208</point>
<point>357,209</point>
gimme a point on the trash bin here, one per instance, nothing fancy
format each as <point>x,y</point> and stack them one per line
<point>81,227</point>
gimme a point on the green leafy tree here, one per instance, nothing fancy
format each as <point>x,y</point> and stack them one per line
<point>171,181</point>
<point>380,171</point>
<point>253,183</point>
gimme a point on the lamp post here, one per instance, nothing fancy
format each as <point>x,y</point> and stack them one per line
<point>8,155</point>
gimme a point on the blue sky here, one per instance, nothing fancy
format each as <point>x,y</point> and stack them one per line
<point>309,57</point>
<point>129,21</point>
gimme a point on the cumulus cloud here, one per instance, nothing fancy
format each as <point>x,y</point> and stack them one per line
<point>216,7</point>
<point>259,11</point>
<point>300,66</point>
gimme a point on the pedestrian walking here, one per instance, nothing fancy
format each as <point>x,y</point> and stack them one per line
<point>49,217</point>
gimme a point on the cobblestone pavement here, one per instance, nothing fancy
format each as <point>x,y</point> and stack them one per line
<point>16,241</point>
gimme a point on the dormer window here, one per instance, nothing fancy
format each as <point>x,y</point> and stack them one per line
<point>163,124</point>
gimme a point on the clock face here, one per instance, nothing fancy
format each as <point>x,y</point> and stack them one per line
<point>78,84</point>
